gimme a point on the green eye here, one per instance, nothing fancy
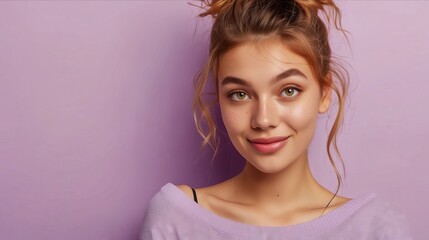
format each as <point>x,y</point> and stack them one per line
<point>239,96</point>
<point>290,92</point>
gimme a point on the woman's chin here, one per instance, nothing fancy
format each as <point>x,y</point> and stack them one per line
<point>269,167</point>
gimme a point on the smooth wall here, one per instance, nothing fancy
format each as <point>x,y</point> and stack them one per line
<point>96,112</point>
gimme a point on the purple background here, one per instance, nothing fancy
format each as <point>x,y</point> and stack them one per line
<point>96,112</point>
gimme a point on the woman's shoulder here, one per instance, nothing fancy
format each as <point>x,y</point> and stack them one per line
<point>186,189</point>
<point>168,196</point>
<point>167,204</point>
<point>380,219</point>
<point>165,213</point>
<point>159,201</point>
<point>215,190</point>
<point>381,210</point>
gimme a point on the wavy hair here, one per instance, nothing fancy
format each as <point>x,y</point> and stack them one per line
<point>301,24</point>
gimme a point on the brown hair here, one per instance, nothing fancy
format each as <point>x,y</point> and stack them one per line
<point>298,24</point>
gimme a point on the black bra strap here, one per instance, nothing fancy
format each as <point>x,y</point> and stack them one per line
<point>195,195</point>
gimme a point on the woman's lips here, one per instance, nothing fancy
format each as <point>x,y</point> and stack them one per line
<point>268,145</point>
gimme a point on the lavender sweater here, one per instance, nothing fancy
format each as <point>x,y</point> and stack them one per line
<point>173,215</point>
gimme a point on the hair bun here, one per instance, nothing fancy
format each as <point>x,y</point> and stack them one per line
<point>214,7</point>
<point>314,5</point>
<point>328,8</point>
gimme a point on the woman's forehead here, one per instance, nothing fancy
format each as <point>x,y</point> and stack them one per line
<point>259,59</point>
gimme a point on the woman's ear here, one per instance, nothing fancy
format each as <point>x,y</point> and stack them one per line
<point>325,102</point>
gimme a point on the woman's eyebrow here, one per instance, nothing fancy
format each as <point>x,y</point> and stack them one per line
<point>288,73</point>
<point>283,75</point>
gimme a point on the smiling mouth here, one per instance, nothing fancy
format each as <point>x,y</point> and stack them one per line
<point>268,145</point>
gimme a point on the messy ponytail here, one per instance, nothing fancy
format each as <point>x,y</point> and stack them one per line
<point>301,24</point>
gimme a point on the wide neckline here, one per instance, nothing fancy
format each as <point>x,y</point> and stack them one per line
<point>308,229</point>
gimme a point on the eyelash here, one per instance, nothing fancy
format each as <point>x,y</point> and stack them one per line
<point>232,94</point>
<point>294,87</point>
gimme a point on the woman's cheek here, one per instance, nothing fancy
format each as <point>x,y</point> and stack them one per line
<point>300,115</point>
<point>233,118</point>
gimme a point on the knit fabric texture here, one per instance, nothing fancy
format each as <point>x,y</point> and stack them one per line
<point>173,215</point>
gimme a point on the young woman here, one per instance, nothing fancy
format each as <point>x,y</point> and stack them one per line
<point>272,65</point>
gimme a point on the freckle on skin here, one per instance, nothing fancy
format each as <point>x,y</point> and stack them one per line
<point>278,195</point>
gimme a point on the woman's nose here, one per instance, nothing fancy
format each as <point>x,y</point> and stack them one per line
<point>264,115</point>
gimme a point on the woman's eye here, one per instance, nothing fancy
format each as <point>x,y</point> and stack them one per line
<point>239,96</point>
<point>290,92</point>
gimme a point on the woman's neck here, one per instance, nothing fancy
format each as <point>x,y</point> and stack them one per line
<point>293,186</point>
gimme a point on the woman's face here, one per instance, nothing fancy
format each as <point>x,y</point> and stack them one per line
<point>269,102</point>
